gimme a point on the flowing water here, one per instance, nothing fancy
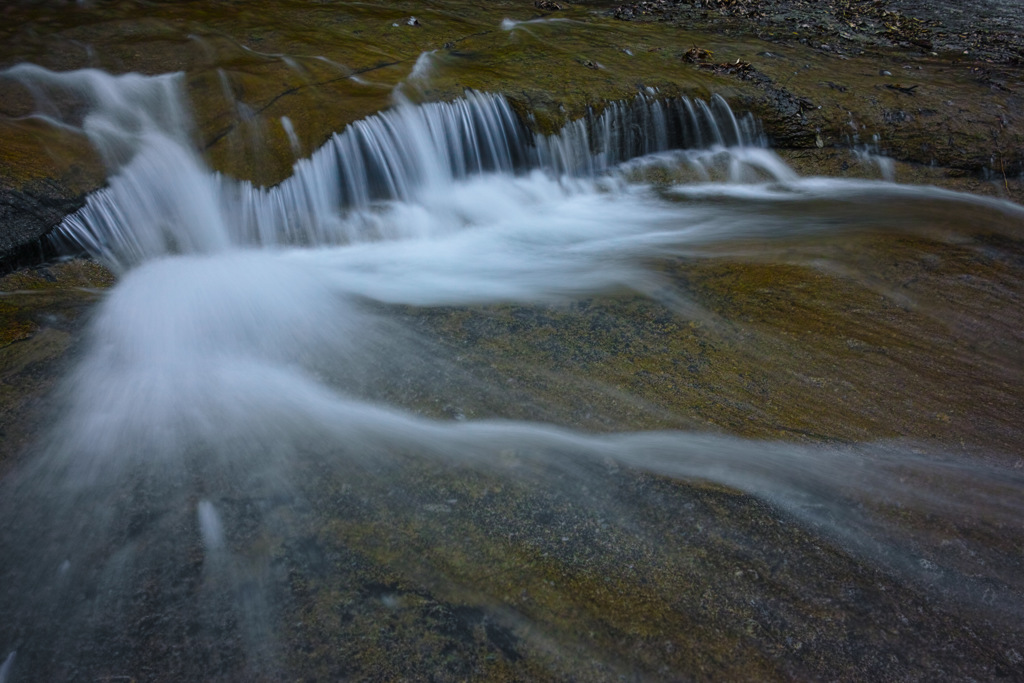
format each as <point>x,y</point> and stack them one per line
<point>306,410</point>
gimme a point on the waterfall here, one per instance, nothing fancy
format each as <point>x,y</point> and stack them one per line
<point>642,126</point>
<point>163,199</point>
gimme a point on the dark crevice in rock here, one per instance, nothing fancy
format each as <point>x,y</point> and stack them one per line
<point>27,216</point>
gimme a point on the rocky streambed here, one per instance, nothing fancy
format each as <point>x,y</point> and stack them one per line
<point>868,526</point>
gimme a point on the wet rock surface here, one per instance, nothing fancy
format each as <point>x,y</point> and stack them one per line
<point>989,31</point>
<point>405,566</point>
<point>415,568</point>
<point>828,74</point>
<point>437,572</point>
<point>42,314</point>
<point>883,73</point>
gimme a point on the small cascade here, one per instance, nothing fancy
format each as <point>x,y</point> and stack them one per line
<point>872,155</point>
<point>396,155</point>
<point>163,200</point>
<point>646,125</point>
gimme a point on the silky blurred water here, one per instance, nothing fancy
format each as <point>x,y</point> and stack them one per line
<point>238,352</point>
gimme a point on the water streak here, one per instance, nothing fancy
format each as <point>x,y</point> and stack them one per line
<point>512,24</point>
<point>210,526</point>
<point>293,139</point>
<point>7,667</point>
<point>424,66</point>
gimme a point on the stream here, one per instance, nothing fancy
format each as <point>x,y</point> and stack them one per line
<point>632,400</point>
